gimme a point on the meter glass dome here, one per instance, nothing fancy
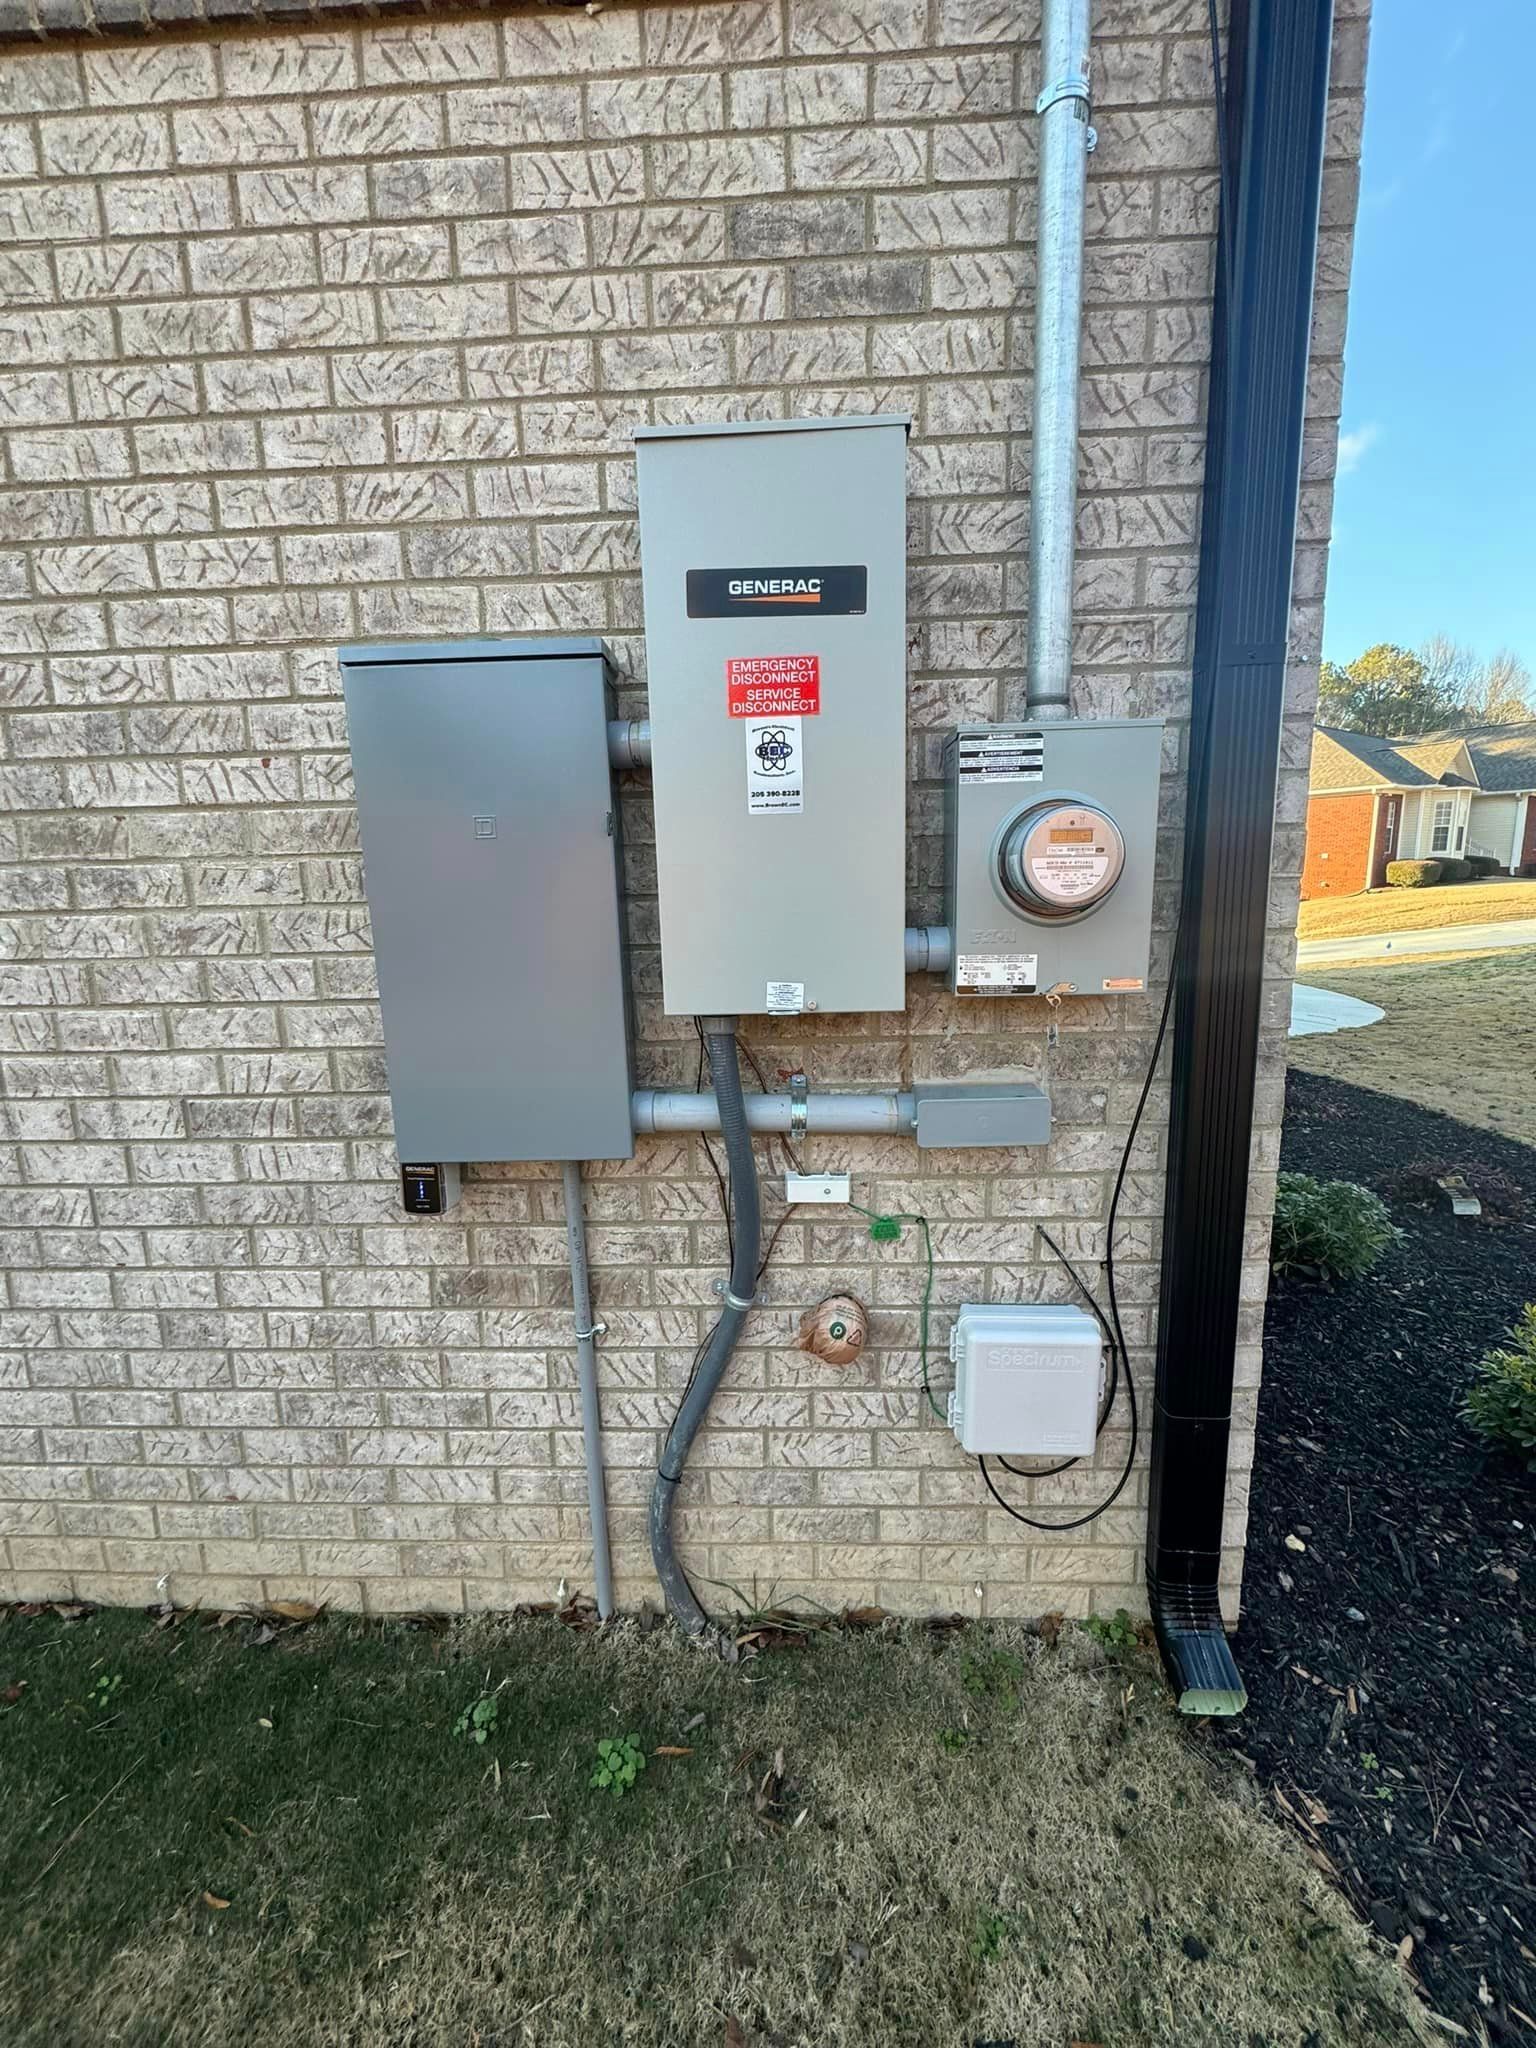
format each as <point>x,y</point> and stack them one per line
<point>1060,858</point>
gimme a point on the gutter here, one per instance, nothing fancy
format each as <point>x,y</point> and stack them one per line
<point>1273,139</point>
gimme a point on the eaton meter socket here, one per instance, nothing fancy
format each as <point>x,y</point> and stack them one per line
<point>1051,849</point>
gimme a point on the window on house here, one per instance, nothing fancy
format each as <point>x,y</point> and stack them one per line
<point>1440,827</point>
<point>1461,837</point>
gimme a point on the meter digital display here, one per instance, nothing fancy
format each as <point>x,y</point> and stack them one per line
<point>1071,835</point>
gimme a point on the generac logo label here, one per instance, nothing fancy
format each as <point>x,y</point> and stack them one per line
<point>779,591</point>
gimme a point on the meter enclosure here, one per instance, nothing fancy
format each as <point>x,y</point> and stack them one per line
<point>1051,854</point>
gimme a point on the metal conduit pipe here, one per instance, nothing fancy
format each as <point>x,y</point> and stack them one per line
<point>709,1368</point>
<point>1064,108</point>
<point>586,1375</point>
<point>659,1109</point>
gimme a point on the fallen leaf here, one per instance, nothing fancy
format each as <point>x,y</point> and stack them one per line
<point>1294,1543</point>
<point>1051,1626</point>
<point>262,1721</point>
<point>230,1821</point>
<point>864,1617</point>
<point>295,1612</point>
<point>214,1903</point>
<point>735,2033</point>
<point>671,1749</point>
<point>1405,1950</point>
<point>696,1722</point>
<point>13,1691</point>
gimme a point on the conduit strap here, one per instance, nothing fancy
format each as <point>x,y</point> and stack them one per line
<point>734,1301</point>
<point>1075,86</point>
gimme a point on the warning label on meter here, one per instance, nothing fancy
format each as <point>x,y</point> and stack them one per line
<point>773,685</point>
<point>775,765</point>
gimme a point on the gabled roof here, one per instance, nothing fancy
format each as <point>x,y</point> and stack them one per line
<point>1488,758</point>
<point>1503,756</point>
<point>1358,760</point>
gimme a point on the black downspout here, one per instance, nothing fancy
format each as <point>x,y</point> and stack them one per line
<point>1277,70</point>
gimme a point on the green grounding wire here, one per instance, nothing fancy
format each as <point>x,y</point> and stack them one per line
<point>887,1230</point>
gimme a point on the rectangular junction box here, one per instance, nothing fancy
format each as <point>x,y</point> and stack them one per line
<point>491,865</point>
<point>1051,848</point>
<point>774,560</point>
<point>1027,1379</point>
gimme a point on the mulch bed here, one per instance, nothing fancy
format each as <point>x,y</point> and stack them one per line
<point>1390,1661</point>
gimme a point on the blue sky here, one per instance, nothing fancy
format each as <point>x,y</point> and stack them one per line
<point>1435,519</point>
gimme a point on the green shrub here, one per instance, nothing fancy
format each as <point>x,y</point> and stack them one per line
<point>1413,874</point>
<point>1484,864</point>
<point>1501,1404</point>
<point>1328,1227</point>
<point>1455,869</point>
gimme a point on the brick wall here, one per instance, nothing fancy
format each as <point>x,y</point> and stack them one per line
<point>316,336</point>
<point>1338,858</point>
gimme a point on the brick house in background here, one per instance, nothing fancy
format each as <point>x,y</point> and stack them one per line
<point>1371,801</point>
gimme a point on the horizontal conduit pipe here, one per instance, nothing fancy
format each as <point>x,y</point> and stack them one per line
<point>659,1109</point>
<point>629,742</point>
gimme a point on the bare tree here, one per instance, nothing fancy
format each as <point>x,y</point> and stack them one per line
<point>1478,692</point>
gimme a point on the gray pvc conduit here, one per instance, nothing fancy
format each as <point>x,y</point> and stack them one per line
<point>746,1232</point>
<point>586,1375</point>
<point>657,1109</point>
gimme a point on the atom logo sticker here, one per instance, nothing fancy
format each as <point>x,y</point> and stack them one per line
<point>774,750</point>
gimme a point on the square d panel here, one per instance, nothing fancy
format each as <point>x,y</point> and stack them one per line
<point>765,543</point>
<point>490,856</point>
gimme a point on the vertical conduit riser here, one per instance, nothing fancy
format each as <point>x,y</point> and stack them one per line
<point>746,1236</point>
<point>1278,72</point>
<point>1066,32</point>
<point>586,1376</point>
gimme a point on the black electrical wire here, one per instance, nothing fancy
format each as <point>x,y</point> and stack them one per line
<point>1198,740</point>
<point>1050,1471</point>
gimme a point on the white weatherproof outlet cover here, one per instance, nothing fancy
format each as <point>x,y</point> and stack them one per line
<point>818,1187</point>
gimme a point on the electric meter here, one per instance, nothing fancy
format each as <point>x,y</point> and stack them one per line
<point>1059,859</point>
<point>1051,855</point>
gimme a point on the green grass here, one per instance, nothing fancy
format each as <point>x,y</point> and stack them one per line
<point>828,1865</point>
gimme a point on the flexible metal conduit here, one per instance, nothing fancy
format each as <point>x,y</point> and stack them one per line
<point>746,1235</point>
<point>586,1375</point>
<point>1065,138</point>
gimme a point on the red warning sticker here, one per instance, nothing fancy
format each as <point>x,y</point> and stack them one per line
<point>773,685</point>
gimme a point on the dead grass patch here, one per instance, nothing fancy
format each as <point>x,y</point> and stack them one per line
<point>1404,910</point>
<point>884,1841</point>
<point>1459,1036</point>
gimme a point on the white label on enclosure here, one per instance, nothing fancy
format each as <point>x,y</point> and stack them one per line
<point>775,765</point>
<point>785,998</point>
<point>1064,872</point>
<point>997,974</point>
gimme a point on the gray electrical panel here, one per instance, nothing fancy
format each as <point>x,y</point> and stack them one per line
<point>490,857</point>
<point>1051,856</point>
<point>774,559</point>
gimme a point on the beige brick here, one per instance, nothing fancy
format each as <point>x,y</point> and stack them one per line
<point>257,406</point>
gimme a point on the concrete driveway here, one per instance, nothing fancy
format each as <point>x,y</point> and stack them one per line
<point>1451,938</point>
